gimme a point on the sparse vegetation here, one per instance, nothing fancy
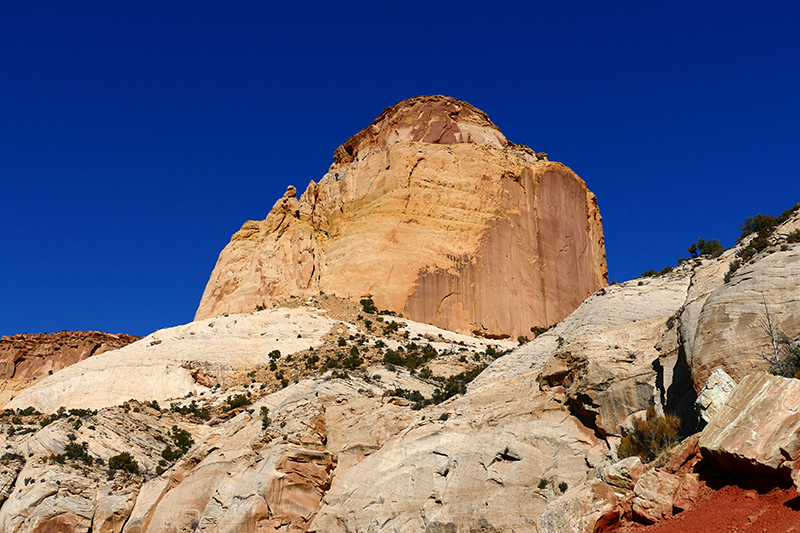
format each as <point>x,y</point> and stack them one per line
<point>703,247</point>
<point>538,330</point>
<point>236,401</point>
<point>123,461</point>
<point>789,366</point>
<point>732,268</point>
<point>78,452</point>
<point>650,436</point>
<point>369,306</point>
<point>193,409</point>
<point>265,420</point>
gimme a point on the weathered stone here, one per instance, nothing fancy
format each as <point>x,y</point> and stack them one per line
<point>757,429</point>
<point>654,496</point>
<point>433,214</point>
<point>729,330</point>
<point>169,363</point>
<point>480,468</point>
<point>714,394</point>
<point>26,358</point>
<point>687,493</point>
<point>623,475</point>
<point>587,508</point>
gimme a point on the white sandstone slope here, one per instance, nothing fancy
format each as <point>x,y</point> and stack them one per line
<point>168,363</point>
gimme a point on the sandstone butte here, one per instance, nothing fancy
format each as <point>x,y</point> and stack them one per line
<point>435,215</point>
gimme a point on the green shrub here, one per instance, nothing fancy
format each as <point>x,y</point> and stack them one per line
<point>563,486</point>
<point>761,224</point>
<point>789,366</point>
<point>542,483</point>
<point>369,306</point>
<point>265,420</point>
<point>237,400</point>
<point>78,452</point>
<point>793,236</point>
<point>733,267</point>
<point>124,461</point>
<point>182,438</point>
<point>704,247</point>
<point>650,436</point>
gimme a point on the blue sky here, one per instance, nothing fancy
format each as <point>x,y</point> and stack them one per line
<point>136,137</point>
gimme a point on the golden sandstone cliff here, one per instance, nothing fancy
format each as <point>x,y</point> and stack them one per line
<point>434,214</point>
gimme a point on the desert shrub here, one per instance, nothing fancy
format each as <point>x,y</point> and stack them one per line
<point>312,360</point>
<point>192,409</point>
<point>542,483</point>
<point>171,454</point>
<point>789,366</point>
<point>522,339</point>
<point>275,354</point>
<point>182,438</point>
<point>793,236</point>
<point>650,436</point>
<point>733,267</point>
<point>123,461</point>
<point>78,452</point>
<point>369,306</point>
<point>352,362</point>
<point>761,224</point>
<point>704,247</point>
<point>265,420</point>
<point>563,486</point>
<point>391,327</point>
<point>237,400</point>
<point>538,330</point>
<point>28,411</point>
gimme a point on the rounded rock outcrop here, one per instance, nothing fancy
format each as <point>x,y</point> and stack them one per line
<point>432,213</point>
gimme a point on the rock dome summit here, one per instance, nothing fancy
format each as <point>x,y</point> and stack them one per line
<point>434,214</point>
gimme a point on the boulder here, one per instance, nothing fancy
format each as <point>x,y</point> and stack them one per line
<point>587,508</point>
<point>434,214</point>
<point>623,475</point>
<point>654,495</point>
<point>714,394</point>
<point>756,431</point>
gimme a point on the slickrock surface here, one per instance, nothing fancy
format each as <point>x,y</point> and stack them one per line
<point>25,358</point>
<point>173,362</point>
<point>729,332</point>
<point>435,215</point>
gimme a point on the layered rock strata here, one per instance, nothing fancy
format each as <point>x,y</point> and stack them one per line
<point>433,213</point>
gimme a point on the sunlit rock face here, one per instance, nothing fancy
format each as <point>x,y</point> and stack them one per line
<point>434,214</point>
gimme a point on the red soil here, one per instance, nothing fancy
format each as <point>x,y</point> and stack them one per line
<point>754,506</point>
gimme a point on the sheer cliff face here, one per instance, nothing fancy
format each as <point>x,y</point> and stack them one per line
<point>435,215</point>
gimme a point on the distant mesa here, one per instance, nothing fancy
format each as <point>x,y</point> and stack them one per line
<point>434,214</point>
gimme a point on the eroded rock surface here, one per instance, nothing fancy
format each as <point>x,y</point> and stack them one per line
<point>757,430</point>
<point>432,213</point>
<point>25,358</point>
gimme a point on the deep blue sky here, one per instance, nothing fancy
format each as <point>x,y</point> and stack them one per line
<point>136,137</point>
